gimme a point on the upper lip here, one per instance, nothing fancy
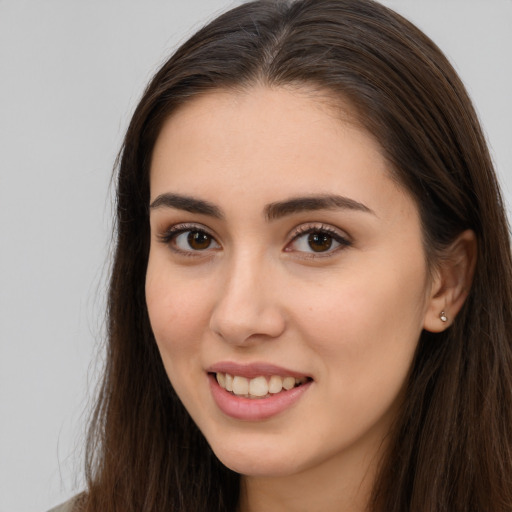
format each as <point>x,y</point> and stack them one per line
<point>252,370</point>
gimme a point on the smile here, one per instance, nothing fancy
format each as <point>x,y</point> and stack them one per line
<point>259,387</point>
<point>256,392</point>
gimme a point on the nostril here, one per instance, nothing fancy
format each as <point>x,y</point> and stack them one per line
<point>247,324</point>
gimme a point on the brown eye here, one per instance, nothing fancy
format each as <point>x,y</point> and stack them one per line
<point>199,240</point>
<point>320,242</point>
<point>191,240</point>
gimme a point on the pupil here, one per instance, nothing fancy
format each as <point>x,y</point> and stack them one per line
<point>320,242</point>
<point>198,240</point>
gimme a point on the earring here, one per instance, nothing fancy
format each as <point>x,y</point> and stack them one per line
<point>443,316</point>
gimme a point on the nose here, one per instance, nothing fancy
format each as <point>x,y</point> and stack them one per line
<point>247,309</point>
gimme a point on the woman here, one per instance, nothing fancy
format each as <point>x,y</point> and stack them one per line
<point>310,297</point>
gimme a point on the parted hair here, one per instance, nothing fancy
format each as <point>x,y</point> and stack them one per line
<point>450,447</point>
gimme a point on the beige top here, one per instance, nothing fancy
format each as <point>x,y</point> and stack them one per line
<point>64,507</point>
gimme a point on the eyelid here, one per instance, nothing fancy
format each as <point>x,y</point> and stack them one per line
<point>172,232</point>
<point>337,234</point>
<point>181,227</point>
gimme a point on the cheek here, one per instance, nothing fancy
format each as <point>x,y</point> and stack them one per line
<point>365,336</point>
<point>176,311</point>
<point>366,324</point>
<point>363,310</point>
<point>177,316</point>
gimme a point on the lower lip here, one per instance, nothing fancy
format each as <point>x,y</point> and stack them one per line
<point>255,409</point>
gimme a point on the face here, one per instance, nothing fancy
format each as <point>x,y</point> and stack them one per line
<point>287,266</point>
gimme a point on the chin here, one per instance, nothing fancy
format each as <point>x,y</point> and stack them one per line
<point>259,468</point>
<point>255,457</point>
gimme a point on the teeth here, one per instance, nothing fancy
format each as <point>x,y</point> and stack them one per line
<point>258,387</point>
<point>229,382</point>
<point>240,385</point>
<point>221,379</point>
<point>288,383</point>
<point>275,384</point>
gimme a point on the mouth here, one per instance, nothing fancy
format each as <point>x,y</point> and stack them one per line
<point>259,387</point>
<point>256,391</point>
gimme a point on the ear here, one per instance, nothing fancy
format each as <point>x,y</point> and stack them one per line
<point>451,282</point>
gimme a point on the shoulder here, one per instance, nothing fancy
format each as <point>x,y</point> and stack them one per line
<point>65,507</point>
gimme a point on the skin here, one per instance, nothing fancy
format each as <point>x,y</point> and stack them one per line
<point>349,317</point>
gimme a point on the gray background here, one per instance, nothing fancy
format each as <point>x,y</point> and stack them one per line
<point>70,75</point>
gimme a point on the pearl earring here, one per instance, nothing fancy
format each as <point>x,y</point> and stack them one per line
<point>443,316</point>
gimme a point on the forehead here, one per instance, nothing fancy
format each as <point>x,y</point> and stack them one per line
<point>269,142</point>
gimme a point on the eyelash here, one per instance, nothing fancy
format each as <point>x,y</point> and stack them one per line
<point>307,229</point>
<point>171,234</point>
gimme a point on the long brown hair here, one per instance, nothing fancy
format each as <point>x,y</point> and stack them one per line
<point>450,449</point>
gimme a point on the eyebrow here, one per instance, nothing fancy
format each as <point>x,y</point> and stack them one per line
<point>280,209</point>
<point>273,211</point>
<point>187,203</point>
